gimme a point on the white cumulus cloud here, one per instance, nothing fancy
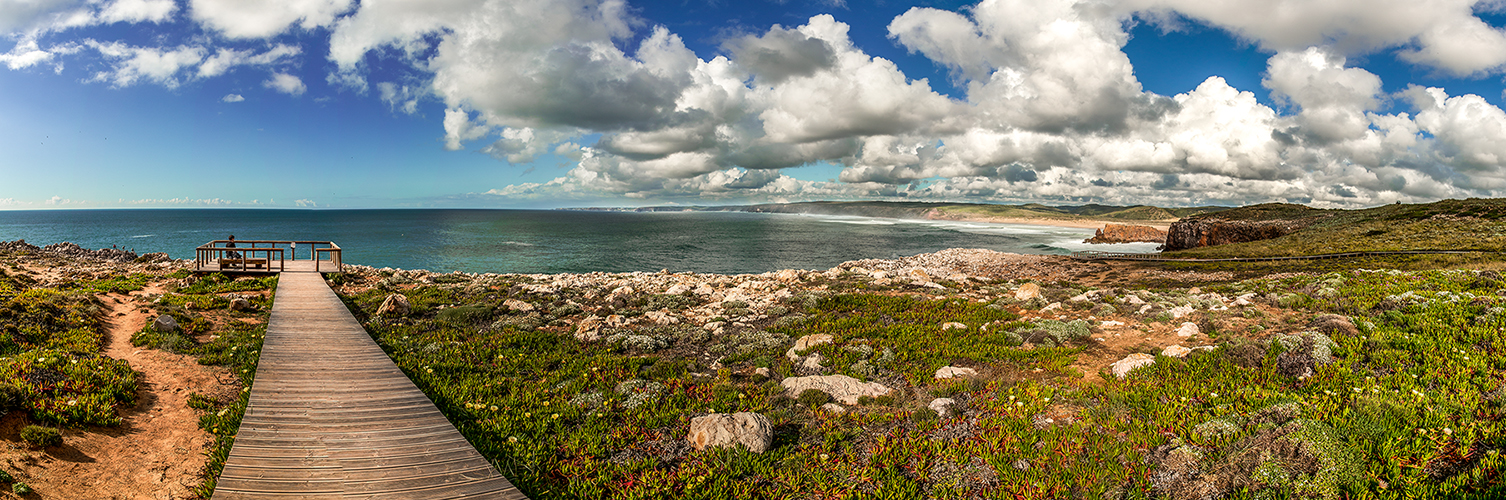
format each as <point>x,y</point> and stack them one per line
<point>285,83</point>
<point>232,98</point>
<point>265,18</point>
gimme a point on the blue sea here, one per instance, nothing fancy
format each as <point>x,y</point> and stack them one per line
<point>548,241</point>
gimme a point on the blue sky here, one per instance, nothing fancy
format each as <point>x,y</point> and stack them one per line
<point>548,103</point>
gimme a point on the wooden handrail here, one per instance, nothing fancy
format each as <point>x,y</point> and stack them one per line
<point>214,250</point>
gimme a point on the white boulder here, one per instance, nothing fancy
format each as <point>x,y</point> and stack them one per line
<point>717,430</point>
<point>1131,362</point>
<point>844,388</point>
<point>954,372</point>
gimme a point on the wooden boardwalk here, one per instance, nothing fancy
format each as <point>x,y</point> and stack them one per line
<point>332,417</point>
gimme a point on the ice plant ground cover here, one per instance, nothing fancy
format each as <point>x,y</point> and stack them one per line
<point>50,365</point>
<point>1406,404</point>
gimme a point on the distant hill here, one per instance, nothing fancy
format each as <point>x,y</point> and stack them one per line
<point>1472,224</point>
<point>957,211</point>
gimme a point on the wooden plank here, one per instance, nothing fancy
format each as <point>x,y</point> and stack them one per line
<point>332,417</point>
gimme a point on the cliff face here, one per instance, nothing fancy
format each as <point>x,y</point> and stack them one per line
<point>1124,233</point>
<point>1209,231</point>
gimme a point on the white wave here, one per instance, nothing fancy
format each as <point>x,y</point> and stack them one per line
<point>144,236</point>
<point>1078,245</point>
<point>518,243</point>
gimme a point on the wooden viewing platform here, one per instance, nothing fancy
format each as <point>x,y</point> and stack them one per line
<point>331,416</point>
<point>266,256</point>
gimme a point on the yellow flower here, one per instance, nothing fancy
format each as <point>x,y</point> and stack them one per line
<point>555,416</point>
<point>494,407</point>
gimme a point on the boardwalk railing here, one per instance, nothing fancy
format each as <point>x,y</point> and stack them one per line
<point>1156,257</point>
<point>265,255</point>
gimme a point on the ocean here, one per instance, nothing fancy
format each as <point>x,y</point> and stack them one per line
<point>548,241</point>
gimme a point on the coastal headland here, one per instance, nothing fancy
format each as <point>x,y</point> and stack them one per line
<point>959,373</point>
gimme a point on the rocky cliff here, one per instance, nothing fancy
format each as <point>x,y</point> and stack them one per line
<point>67,249</point>
<point>1125,233</point>
<point>1209,231</point>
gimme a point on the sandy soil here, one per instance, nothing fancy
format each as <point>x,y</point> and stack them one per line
<point>157,453</point>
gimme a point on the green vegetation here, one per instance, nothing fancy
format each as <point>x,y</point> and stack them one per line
<point>238,348</point>
<point>1472,224</point>
<point>20,489</point>
<point>41,437</point>
<point>1407,403</point>
<point>49,362</point>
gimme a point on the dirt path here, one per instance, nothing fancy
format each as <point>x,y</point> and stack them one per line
<point>157,453</point>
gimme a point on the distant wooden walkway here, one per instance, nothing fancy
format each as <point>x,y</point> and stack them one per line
<point>331,417</point>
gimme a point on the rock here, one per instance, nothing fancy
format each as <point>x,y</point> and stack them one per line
<point>1134,300</point>
<point>165,324</point>
<point>718,430</point>
<point>787,275</point>
<point>942,406</point>
<point>1052,306</point>
<point>761,371</point>
<point>241,304</point>
<point>957,278</point>
<point>1175,351</point>
<point>953,325</point>
<point>704,289</point>
<point>880,275</point>
<point>1124,233</point>
<point>813,361</point>
<point>1122,367</point>
<point>1027,291</point>
<point>518,305</point>
<point>1110,324</point>
<point>661,318</point>
<point>1244,300</point>
<point>954,372</point>
<point>395,305</point>
<point>67,249</point>
<point>588,329</point>
<point>809,341</point>
<point>713,326</point>
<point>1143,309</point>
<point>1187,330</point>
<point>1211,229</point>
<point>810,363</point>
<point>1179,311</point>
<point>844,388</point>
<point>919,275</point>
<point>833,408</point>
<point>1333,324</point>
<point>677,289</point>
<point>154,257</point>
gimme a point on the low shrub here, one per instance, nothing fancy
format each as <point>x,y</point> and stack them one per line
<point>41,437</point>
<point>813,398</point>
